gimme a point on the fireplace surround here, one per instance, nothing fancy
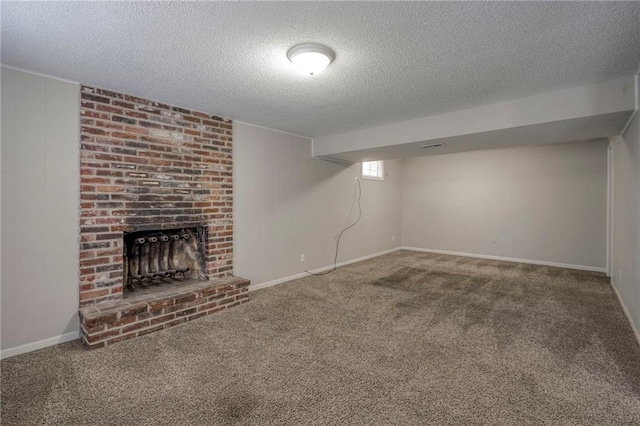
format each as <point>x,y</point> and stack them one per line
<point>156,213</point>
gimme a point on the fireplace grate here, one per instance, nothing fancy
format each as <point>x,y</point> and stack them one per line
<point>157,257</point>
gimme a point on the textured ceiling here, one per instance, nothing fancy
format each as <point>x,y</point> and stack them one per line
<point>394,61</point>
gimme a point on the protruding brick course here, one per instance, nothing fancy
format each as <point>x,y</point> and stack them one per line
<point>148,165</point>
<point>112,322</point>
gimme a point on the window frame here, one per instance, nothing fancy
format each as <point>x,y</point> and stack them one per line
<point>379,177</point>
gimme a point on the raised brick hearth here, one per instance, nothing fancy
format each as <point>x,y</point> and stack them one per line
<point>160,172</point>
<point>111,322</point>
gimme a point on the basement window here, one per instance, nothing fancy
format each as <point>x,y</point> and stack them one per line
<point>373,170</point>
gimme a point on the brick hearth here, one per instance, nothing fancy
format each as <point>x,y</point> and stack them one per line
<point>107,323</point>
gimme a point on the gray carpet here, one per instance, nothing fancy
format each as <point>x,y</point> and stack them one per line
<point>408,338</point>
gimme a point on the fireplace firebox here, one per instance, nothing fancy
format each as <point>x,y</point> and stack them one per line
<point>153,258</point>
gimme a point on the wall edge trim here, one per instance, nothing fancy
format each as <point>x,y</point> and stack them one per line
<point>636,83</point>
<point>39,74</point>
<point>511,259</point>
<point>40,344</point>
<point>267,284</point>
<point>272,129</point>
<point>626,312</point>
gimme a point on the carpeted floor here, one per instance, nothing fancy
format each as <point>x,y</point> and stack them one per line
<point>407,338</point>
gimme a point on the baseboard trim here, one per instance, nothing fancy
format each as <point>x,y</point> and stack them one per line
<point>254,287</point>
<point>626,312</point>
<point>40,344</point>
<point>29,347</point>
<point>510,259</point>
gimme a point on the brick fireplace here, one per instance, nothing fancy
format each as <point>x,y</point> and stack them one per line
<point>153,176</point>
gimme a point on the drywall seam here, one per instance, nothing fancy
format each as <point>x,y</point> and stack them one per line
<point>510,259</point>
<point>626,312</point>
<point>254,287</point>
<point>40,344</point>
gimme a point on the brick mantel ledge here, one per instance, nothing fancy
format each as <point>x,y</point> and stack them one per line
<point>111,322</point>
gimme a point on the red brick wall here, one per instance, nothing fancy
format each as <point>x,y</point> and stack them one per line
<point>148,165</point>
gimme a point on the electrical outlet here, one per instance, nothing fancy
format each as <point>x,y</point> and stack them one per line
<point>620,276</point>
<point>494,239</point>
<point>301,257</point>
<point>393,238</point>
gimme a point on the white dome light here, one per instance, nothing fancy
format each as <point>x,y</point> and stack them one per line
<point>310,58</point>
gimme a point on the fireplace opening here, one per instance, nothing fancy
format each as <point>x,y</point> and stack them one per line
<point>156,258</point>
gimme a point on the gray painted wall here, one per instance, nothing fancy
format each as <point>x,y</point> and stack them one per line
<point>40,204</point>
<point>287,203</point>
<point>546,203</point>
<point>543,203</point>
<point>626,219</point>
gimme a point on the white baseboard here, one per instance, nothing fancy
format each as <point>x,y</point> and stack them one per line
<point>626,311</point>
<point>510,259</point>
<point>40,344</point>
<point>254,287</point>
<point>29,347</point>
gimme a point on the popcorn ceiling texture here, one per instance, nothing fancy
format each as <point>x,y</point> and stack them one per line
<point>394,60</point>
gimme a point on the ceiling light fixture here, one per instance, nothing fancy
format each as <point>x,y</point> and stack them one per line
<point>310,58</point>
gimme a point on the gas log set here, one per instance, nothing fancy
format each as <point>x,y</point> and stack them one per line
<point>156,257</point>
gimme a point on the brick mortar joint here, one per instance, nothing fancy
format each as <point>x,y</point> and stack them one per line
<point>185,127</point>
<point>94,91</point>
<point>160,326</point>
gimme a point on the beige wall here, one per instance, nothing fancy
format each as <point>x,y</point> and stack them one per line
<point>287,203</point>
<point>40,204</point>
<point>626,219</point>
<point>545,203</point>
